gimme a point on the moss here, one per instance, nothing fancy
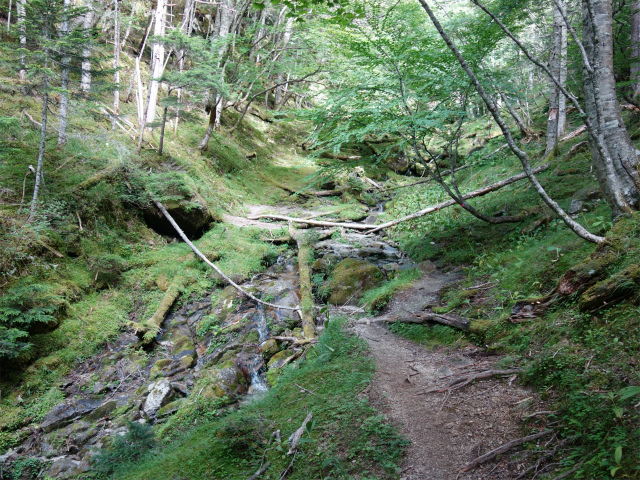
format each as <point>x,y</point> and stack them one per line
<point>350,279</point>
<point>158,367</point>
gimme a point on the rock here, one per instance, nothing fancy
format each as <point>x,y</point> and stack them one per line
<point>64,413</point>
<point>426,266</point>
<point>350,279</point>
<point>103,410</point>
<point>169,408</point>
<point>100,388</point>
<point>269,348</point>
<point>277,361</point>
<point>160,368</point>
<point>192,217</point>
<point>64,467</point>
<point>225,381</point>
<point>575,207</point>
<point>160,393</point>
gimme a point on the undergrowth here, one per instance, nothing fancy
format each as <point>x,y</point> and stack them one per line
<point>346,437</point>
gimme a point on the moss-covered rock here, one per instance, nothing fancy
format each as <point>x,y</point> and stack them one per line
<point>169,408</point>
<point>269,348</point>
<point>159,367</point>
<point>224,381</point>
<point>277,360</point>
<point>350,279</point>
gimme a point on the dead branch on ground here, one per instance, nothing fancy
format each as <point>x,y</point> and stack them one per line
<point>465,380</point>
<point>297,435</point>
<point>424,317</point>
<point>504,448</point>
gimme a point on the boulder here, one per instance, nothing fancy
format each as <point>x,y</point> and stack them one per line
<point>269,348</point>
<point>575,207</point>
<point>192,217</point>
<point>226,380</point>
<point>64,413</point>
<point>160,393</point>
<point>65,467</point>
<point>350,279</point>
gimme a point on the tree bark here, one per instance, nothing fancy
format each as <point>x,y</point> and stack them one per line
<point>558,67</point>
<point>157,59</point>
<point>164,121</point>
<point>603,109</point>
<point>116,62</point>
<point>307,305</point>
<point>43,138</point>
<point>20,6</point>
<point>85,80</point>
<point>64,80</point>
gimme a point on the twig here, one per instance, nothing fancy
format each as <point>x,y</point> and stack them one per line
<point>260,471</point>
<point>304,389</point>
<point>504,448</point>
<point>542,412</point>
<point>297,435</point>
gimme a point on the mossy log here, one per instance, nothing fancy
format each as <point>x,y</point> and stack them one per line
<point>591,280</point>
<point>149,329</point>
<point>307,305</point>
<point>97,178</point>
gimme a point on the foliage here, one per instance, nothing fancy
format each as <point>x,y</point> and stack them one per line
<point>126,449</point>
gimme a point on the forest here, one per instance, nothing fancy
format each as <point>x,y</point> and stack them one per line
<point>319,239</point>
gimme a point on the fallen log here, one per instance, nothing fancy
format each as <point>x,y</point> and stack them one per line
<point>260,471</point>
<point>424,317</point>
<point>208,262</point>
<point>148,330</point>
<point>504,448</point>
<point>297,435</point>
<point>476,193</point>
<point>307,305</point>
<point>355,226</point>
<point>465,380</point>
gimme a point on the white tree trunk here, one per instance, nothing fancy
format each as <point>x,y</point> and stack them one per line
<point>85,80</point>
<point>64,82</point>
<point>558,67</point>
<point>281,90</point>
<point>157,59</point>
<point>116,63</point>
<point>23,38</point>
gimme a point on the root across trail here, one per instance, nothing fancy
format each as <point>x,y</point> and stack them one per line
<point>450,429</point>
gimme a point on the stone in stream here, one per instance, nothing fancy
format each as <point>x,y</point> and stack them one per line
<point>350,279</point>
<point>160,393</point>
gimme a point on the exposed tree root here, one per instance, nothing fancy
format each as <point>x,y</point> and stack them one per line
<point>504,448</point>
<point>260,471</point>
<point>465,380</point>
<point>545,457</point>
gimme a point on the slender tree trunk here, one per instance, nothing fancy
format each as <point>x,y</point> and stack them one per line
<point>123,42</point>
<point>282,89</point>
<point>157,59</point>
<point>85,80</point>
<point>64,82</point>
<point>23,38</point>
<point>164,121</point>
<point>635,48</point>
<point>558,67</point>
<point>43,138</point>
<point>9,16</point>
<point>603,109</point>
<point>185,27</point>
<point>116,63</point>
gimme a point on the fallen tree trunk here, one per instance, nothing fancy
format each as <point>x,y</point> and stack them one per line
<point>149,329</point>
<point>307,306</point>
<point>355,226</point>
<point>476,193</point>
<point>575,133</point>
<point>208,262</point>
<point>504,448</point>
<point>424,317</point>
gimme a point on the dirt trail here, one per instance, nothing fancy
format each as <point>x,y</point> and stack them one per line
<point>446,430</point>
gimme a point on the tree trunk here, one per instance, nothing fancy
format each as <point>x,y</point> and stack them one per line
<point>85,80</point>
<point>558,67</point>
<point>157,59</point>
<point>635,48</point>
<point>64,82</point>
<point>116,63</point>
<point>164,121</point>
<point>43,137</point>
<point>603,109</point>
<point>20,6</point>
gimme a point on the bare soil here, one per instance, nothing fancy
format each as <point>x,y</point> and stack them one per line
<point>447,430</point>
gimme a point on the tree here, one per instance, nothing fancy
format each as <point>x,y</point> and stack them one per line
<point>558,67</point>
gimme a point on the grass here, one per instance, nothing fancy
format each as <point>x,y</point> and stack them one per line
<point>347,437</point>
<point>377,298</point>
